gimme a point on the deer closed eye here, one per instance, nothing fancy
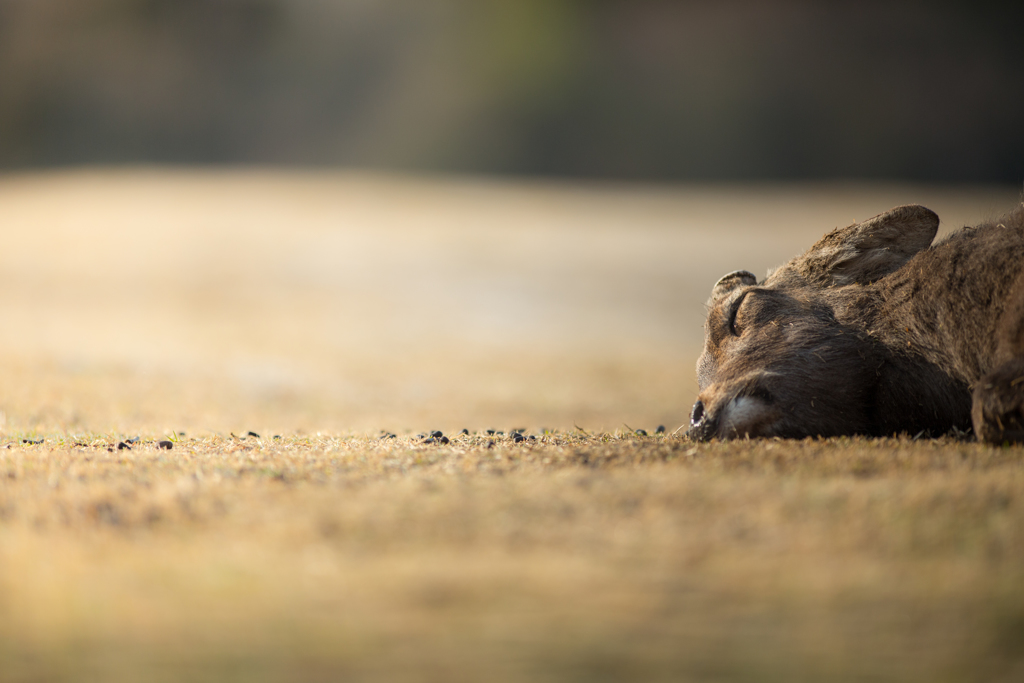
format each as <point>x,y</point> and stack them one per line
<point>734,309</point>
<point>734,329</point>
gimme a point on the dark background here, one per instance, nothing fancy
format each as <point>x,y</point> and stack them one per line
<point>636,89</point>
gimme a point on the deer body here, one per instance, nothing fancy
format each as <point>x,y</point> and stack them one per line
<point>872,331</point>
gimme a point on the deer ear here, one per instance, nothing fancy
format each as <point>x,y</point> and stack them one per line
<point>865,252</point>
<point>727,283</point>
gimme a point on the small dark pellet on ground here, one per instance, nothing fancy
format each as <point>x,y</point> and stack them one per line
<point>490,432</point>
<point>465,431</point>
<point>122,446</point>
<point>518,438</point>
<point>444,439</point>
<point>277,436</point>
<point>641,432</point>
<point>660,429</point>
<point>253,435</point>
<point>30,441</point>
<point>166,445</point>
<point>429,440</point>
<point>437,434</point>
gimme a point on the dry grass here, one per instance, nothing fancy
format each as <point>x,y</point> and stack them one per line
<point>572,557</point>
<point>324,307</point>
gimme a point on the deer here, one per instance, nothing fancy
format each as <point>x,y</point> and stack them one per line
<point>873,331</point>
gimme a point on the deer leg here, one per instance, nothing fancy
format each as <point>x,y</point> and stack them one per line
<point>998,401</point>
<point>998,404</point>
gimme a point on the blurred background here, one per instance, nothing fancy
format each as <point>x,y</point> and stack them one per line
<point>639,89</point>
<point>399,214</point>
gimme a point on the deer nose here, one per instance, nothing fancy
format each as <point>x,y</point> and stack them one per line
<point>697,414</point>
<point>702,427</point>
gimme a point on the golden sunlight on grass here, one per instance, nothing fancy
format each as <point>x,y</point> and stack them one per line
<point>270,326</point>
<point>561,557</point>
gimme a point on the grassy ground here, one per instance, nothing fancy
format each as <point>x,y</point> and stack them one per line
<point>196,307</point>
<point>568,557</point>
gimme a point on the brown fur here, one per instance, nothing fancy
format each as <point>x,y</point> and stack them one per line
<point>872,331</point>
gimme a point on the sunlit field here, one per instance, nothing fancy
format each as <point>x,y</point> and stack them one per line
<point>217,397</point>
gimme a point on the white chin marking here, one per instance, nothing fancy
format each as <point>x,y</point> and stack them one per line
<point>745,416</point>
